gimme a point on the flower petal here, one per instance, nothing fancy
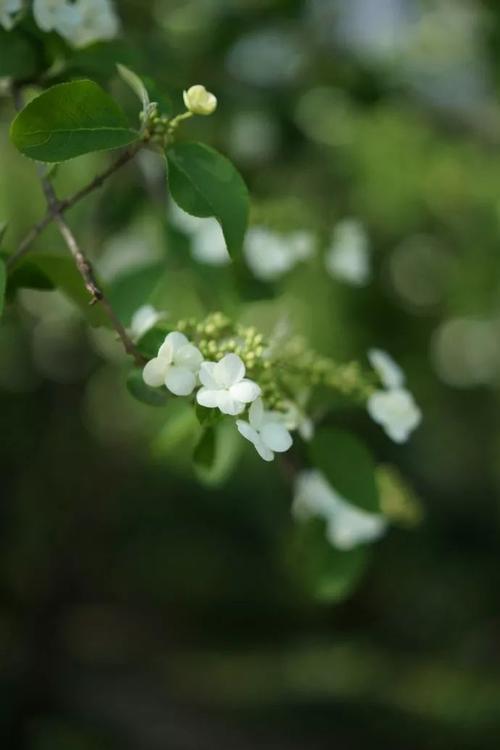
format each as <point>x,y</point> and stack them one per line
<point>396,411</point>
<point>246,391</point>
<point>389,372</point>
<point>188,356</point>
<point>263,451</point>
<point>207,375</point>
<point>180,380</point>
<point>176,340</point>
<point>276,437</point>
<point>227,404</point>
<point>256,414</point>
<point>208,397</point>
<point>247,431</point>
<point>349,526</point>
<point>229,370</point>
<point>154,372</point>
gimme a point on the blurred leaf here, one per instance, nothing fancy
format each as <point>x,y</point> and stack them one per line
<point>398,501</point>
<point>144,393</point>
<point>205,183</point>
<point>3,230</point>
<point>135,83</point>
<point>18,58</point>
<point>181,426</point>
<point>68,120</point>
<point>227,448</point>
<point>204,452</point>
<point>28,276</point>
<point>326,573</point>
<point>3,282</point>
<point>348,466</point>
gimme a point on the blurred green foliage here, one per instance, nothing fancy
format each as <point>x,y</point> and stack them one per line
<point>146,605</point>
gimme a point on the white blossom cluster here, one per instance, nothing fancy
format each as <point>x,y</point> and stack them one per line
<point>80,22</point>
<point>222,385</point>
<point>346,525</point>
<point>392,407</point>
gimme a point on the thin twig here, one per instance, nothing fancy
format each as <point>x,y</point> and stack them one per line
<point>81,261</point>
<point>68,203</point>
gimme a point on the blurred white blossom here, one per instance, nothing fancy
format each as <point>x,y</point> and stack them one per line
<point>393,408</point>
<point>270,255</point>
<point>348,255</point>
<point>81,22</point>
<point>176,365</point>
<point>389,372</point>
<point>396,411</point>
<point>144,318</point>
<point>224,385</point>
<point>265,430</point>
<point>346,525</point>
<point>8,11</point>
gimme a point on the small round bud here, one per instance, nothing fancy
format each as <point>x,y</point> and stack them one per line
<point>199,101</point>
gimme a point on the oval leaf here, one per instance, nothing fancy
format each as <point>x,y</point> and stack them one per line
<point>69,120</point>
<point>205,183</point>
<point>144,393</point>
<point>348,465</point>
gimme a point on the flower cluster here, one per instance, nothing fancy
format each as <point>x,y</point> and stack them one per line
<point>232,368</point>
<point>81,22</point>
<point>9,10</point>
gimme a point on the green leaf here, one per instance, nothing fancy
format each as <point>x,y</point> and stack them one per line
<point>144,393</point>
<point>348,465</point>
<point>18,58</point>
<point>324,572</point>
<point>205,183</point>
<point>151,341</point>
<point>3,281</point>
<point>217,452</point>
<point>68,120</point>
<point>133,289</point>
<point>135,83</point>
<point>398,501</point>
<point>204,452</point>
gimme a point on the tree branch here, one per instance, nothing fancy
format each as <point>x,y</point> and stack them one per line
<point>81,261</point>
<point>67,203</point>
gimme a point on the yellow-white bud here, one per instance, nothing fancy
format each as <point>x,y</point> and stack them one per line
<point>199,101</point>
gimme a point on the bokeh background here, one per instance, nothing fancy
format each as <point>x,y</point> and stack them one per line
<point>141,608</point>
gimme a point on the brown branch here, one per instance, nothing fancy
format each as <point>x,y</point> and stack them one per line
<point>68,203</point>
<point>81,261</point>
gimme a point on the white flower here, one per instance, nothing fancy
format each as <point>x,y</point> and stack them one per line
<point>396,411</point>
<point>267,254</point>
<point>346,525</point>
<point>57,15</point>
<point>389,372</point>
<point>199,101</point>
<point>394,408</point>
<point>144,318</point>
<point>98,22</point>
<point>176,365</point>
<point>8,10</point>
<point>225,387</point>
<point>265,430</point>
<point>80,23</point>
<point>347,257</point>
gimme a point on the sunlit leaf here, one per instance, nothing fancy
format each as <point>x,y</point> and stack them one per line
<point>68,120</point>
